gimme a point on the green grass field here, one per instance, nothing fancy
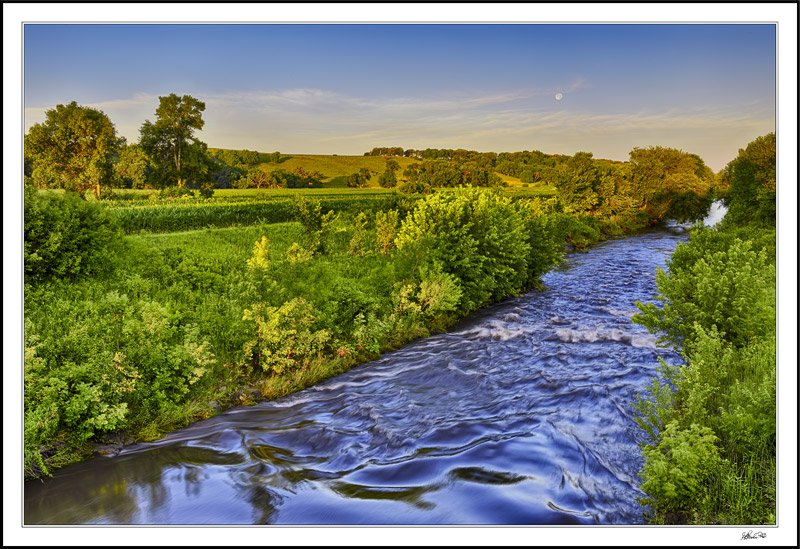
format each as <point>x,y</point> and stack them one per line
<point>332,166</point>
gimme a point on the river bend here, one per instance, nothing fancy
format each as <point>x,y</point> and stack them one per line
<point>521,415</point>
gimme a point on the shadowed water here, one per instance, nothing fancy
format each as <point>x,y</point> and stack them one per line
<point>519,415</point>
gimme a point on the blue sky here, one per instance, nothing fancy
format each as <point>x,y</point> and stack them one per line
<point>345,88</point>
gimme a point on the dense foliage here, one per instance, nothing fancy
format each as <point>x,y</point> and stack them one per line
<point>187,319</point>
<point>175,154</point>
<point>480,239</point>
<point>711,422</point>
<point>66,237</point>
<point>270,293</point>
<point>72,149</point>
<point>752,182</point>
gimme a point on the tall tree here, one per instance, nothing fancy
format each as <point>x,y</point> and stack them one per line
<point>257,177</point>
<point>72,149</point>
<point>170,144</point>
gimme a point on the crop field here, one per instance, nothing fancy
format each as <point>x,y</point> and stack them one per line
<point>140,210</point>
<point>184,215</point>
<point>149,197</point>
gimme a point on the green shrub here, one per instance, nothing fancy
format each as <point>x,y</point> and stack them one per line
<point>415,186</point>
<point>542,240</point>
<point>286,337</point>
<point>358,242</point>
<point>477,236</point>
<point>732,290</point>
<point>719,310</point>
<point>66,237</point>
<point>317,225</point>
<point>577,230</point>
<point>436,294</point>
<point>704,241</point>
<point>752,177</point>
<point>386,230</point>
<point>118,363</point>
<point>677,469</point>
<point>207,190</point>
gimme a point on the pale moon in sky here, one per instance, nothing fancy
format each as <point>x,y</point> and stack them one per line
<point>559,95</point>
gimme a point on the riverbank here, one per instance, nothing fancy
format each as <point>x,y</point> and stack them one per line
<point>711,421</point>
<point>501,408</point>
<point>188,324</point>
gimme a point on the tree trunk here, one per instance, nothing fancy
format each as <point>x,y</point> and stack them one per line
<point>178,162</point>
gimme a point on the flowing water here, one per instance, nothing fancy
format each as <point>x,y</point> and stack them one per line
<point>521,414</point>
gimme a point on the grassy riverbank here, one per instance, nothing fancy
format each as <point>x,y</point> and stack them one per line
<point>712,451</point>
<point>140,334</point>
<point>711,455</point>
<point>166,328</point>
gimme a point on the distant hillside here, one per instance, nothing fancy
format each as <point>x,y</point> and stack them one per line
<point>336,166</point>
<point>332,166</point>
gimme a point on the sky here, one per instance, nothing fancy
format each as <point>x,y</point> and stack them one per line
<point>343,89</point>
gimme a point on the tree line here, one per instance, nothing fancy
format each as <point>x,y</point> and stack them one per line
<point>77,148</point>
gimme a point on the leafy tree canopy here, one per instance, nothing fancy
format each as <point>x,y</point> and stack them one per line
<point>132,167</point>
<point>752,178</point>
<point>72,149</point>
<point>176,154</point>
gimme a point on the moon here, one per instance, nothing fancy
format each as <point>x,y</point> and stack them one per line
<point>559,96</point>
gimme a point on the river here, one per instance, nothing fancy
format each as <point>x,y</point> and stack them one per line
<point>519,415</point>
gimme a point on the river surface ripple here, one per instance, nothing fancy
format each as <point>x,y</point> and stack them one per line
<point>521,414</point>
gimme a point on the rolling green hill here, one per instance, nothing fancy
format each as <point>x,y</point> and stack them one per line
<point>333,166</point>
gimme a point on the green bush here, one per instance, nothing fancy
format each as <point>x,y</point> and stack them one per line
<point>752,177</point>
<point>66,237</point>
<point>358,242</point>
<point>732,290</point>
<point>677,469</point>
<point>542,240</point>
<point>718,299</point>
<point>705,240</point>
<point>438,292</point>
<point>386,230</point>
<point>118,363</point>
<point>285,337</point>
<point>416,186</point>
<point>317,225</point>
<point>477,236</point>
<point>577,230</point>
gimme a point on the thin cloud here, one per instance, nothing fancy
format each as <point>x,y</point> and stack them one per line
<point>325,122</point>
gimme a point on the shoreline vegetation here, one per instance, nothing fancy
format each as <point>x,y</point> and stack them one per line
<point>166,281</point>
<point>219,288</point>
<point>711,421</point>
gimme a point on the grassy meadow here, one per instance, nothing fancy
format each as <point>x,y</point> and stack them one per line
<point>132,335</point>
